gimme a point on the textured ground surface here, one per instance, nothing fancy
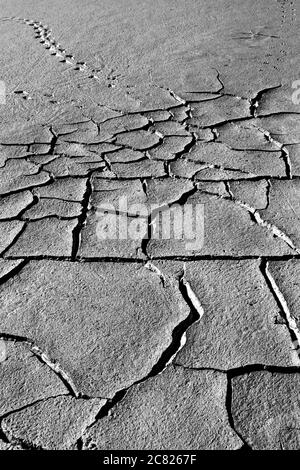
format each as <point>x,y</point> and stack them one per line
<point>142,343</point>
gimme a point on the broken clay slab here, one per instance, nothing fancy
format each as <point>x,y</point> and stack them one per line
<point>238,324</point>
<point>178,409</point>
<point>106,324</point>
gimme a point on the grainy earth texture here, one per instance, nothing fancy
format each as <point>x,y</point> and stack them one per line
<point>139,341</point>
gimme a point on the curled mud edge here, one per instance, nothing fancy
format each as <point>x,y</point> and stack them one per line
<point>272,228</point>
<point>43,357</point>
<point>290,320</point>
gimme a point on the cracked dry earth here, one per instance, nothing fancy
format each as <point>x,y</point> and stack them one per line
<point>143,343</point>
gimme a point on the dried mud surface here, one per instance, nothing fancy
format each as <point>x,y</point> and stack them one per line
<point>146,342</point>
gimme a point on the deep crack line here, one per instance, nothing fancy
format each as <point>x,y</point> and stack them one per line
<point>228,405</point>
<point>246,369</point>
<point>279,297</point>
<point>179,332</point>
<point>287,161</point>
<point>82,218</point>
<point>177,342</point>
<point>196,310</point>
<point>14,271</point>
<point>53,142</point>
